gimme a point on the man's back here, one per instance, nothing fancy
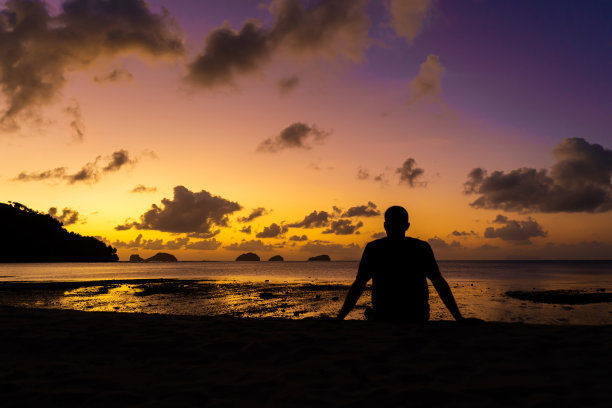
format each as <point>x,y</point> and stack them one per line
<point>398,268</point>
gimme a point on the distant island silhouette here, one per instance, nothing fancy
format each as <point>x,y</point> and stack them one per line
<point>30,236</point>
<point>324,258</point>
<point>158,257</point>
<point>249,256</point>
<point>276,258</point>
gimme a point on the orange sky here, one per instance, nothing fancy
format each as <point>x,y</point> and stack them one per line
<point>357,117</point>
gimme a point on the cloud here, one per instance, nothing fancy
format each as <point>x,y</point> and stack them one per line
<point>38,49</point>
<point>257,212</point>
<point>150,244</point>
<point>253,245</point>
<point>378,235</point>
<point>334,28</point>
<point>362,174</point>
<point>117,160</point>
<point>246,230</point>
<point>204,245</point>
<point>456,233</point>
<point>116,75</point>
<point>77,125</point>
<point>440,244</point>
<point>408,16</point>
<point>187,212</point>
<point>286,85</point>
<point>143,189</point>
<point>578,182</point>
<point>313,220</point>
<point>90,172</point>
<point>67,217</point>
<point>409,173</point>
<point>343,227</point>
<point>294,136</point>
<point>426,87</point>
<point>273,231</point>
<point>298,238</point>
<point>515,231</point>
<point>368,210</point>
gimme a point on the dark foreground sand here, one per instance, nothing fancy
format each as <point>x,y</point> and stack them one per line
<point>70,358</point>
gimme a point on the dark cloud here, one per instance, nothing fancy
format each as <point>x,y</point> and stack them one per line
<point>143,189</point>
<point>456,233</point>
<point>313,220</point>
<point>246,230</point>
<point>515,231</point>
<point>378,235</point>
<point>286,85</point>
<point>67,217</point>
<point>38,49</point>
<point>368,210</point>
<point>228,53</point>
<point>440,244</point>
<point>187,212</point>
<point>117,160</point>
<point>77,125</point>
<point>90,172</point>
<point>253,245</point>
<point>257,212</point>
<point>343,227</point>
<point>409,173</point>
<point>426,87</point>
<point>337,28</point>
<point>116,75</point>
<point>408,17</point>
<point>152,244</point>
<point>273,231</point>
<point>57,173</point>
<point>362,174</point>
<point>578,182</point>
<point>294,136</point>
<point>298,238</point>
<point>204,245</point>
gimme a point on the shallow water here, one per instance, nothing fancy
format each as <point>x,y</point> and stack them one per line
<point>299,289</point>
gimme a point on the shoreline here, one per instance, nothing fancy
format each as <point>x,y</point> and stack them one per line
<point>130,359</point>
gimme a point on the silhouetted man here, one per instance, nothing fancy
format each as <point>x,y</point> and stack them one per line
<point>398,266</point>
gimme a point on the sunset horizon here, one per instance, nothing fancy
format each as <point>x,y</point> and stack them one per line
<point>211,129</point>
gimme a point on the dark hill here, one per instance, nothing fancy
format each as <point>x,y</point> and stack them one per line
<point>249,256</point>
<point>29,236</point>
<point>276,258</point>
<point>320,258</point>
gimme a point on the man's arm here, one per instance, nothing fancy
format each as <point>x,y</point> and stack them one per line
<point>352,297</point>
<point>446,295</point>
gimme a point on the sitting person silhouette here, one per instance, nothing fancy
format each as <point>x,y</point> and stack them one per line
<point>398,266</point>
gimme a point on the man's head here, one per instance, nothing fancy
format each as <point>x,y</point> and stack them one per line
<point>396,221</point>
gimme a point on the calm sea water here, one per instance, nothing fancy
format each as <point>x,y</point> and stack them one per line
<point>299,289</point>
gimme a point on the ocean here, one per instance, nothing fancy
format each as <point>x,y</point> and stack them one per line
<point>301,289</point>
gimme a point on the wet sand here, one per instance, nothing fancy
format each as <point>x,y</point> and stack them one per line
<point>74,358</point>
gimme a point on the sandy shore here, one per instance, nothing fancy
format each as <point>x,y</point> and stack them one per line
<point>90,359</point>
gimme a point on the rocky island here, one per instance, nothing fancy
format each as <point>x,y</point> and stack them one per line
<point>276,258</point>
<point>324,258</point>
<point>249,256</point>
<point>30,236</point>
<point>158,257</point>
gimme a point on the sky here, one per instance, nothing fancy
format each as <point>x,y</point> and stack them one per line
<point>208,129</point>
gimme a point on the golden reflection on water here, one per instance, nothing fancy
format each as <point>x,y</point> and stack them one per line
<point>286,300</point>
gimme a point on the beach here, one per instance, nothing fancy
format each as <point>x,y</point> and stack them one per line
<point>74,358</point>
